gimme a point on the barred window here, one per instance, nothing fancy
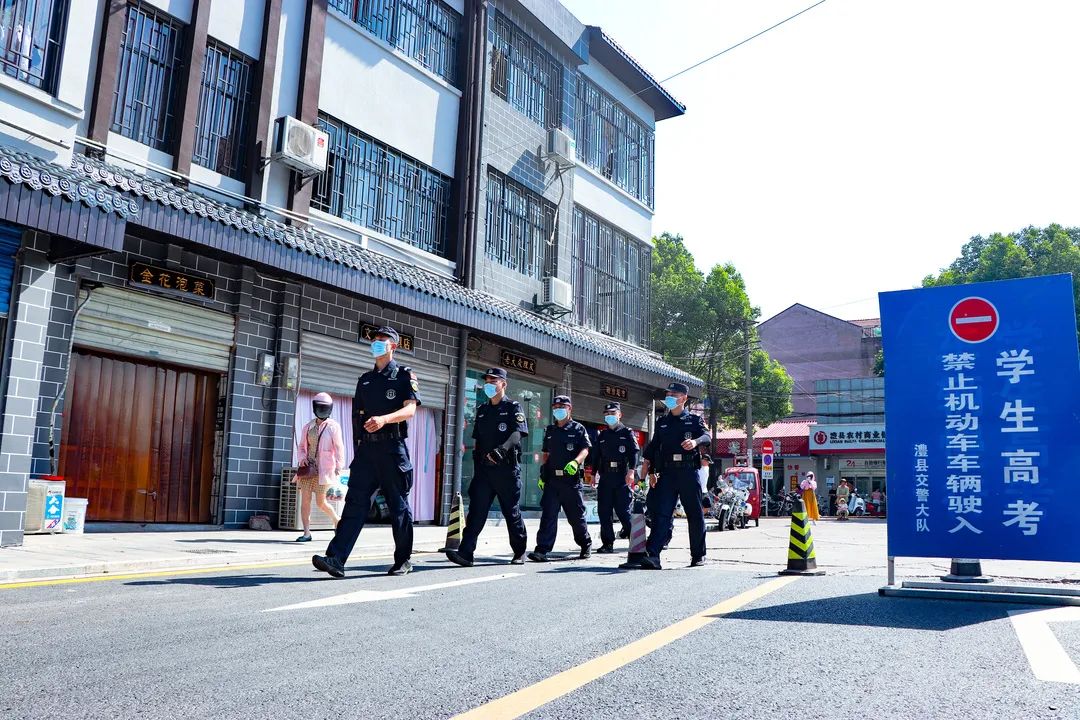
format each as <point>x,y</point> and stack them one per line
<point>221,130</point>
<point>520,228</point>
<point>611,279</point>
<point>614,142</point>
<point>31,35</point>
<point>524,75</point>
<point>426,30</point>
<point>147,78</point>
<point>373,185</point>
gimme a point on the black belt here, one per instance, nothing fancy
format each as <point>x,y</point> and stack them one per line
<point>614,467</point>
<point>682,461</point>
<point>387,434</point>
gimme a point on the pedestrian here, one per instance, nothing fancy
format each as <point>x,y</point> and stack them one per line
<point>843,493</point>
<point>566,445</point>
<point>498,430</point>
<point>809,494</point>
<point>616,459</point>
<point>673,451</point>
<point>322,461</point>
<point>386,399</point>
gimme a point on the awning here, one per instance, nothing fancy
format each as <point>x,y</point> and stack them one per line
<point>791,438</point>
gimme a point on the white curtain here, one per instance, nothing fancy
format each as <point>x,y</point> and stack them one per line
<point>423,444</point>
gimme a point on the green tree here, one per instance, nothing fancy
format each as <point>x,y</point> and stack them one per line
<point>879,363</point>
<point>700,324</point>
<point>1026,253</point>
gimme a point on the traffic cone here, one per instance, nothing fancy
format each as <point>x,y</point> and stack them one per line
<point>453,530</point>
<point>802,560</point>
<point>637,541</point>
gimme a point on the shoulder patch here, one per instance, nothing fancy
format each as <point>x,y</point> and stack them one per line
<point>520,417</point>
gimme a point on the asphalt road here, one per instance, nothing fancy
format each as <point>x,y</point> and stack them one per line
<point>571,639</point>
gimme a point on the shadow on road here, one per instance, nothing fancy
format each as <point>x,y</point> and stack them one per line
<point>870,610</point>
<point>228,582</point>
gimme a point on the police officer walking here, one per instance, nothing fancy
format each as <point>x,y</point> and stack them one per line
<point>673,451</point>
<point>386,399</point>
<point>615,460</point>
<point>566,445</point>
<point>499,427</point>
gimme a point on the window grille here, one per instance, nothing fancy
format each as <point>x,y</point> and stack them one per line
<point>520,231</point>
<point>222,127</point>
<point>31,38</point>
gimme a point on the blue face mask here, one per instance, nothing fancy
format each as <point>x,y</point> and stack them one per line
<point>380,348</point>
<point>491,389</point>
<point>671,403</point>
<point>611,420</point>
<point>560,414</point>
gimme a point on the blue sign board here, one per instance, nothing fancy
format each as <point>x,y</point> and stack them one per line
<point>982,404</point>
<point>53,506</point>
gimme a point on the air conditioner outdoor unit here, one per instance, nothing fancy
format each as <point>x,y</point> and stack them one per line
<point>558,294</point>
<point>561,147</point>
<point>300,146</point>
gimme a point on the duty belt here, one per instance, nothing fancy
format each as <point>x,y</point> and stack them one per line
<point>613,466</point>
<point>682,461</point>
<point>388,433</point>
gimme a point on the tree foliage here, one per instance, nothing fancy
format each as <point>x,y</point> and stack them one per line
<point>1026,253</point>
<point>702,323</point>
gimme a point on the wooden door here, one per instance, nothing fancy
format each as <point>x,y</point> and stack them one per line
<point>138,439</point>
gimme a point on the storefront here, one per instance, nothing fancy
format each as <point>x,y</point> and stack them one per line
<point>141,425</point>
<point>791,456</point>
<point>333,365</point>
<point>855,453</point>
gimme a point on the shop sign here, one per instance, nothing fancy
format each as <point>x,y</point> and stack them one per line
<point>143,275</point>
<point>847,438</point>
<point>367,333</point>
<point>980,397</point>
<point>615,392</point>
<point>514,361</point>
<point>862,463</point>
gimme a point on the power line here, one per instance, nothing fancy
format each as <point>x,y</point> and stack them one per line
<point>499,151</point>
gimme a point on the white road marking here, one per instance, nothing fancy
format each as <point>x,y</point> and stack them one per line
<point>1049,661</point>
<point>361,596</point>
<point>974,319</point>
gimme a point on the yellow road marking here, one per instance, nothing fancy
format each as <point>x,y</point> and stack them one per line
<point>528,699</point>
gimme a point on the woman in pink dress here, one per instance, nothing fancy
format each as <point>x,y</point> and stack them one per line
<point>809,495</point>
<point>322,461</point>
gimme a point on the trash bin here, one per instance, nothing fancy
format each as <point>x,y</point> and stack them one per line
<point>75,515</point>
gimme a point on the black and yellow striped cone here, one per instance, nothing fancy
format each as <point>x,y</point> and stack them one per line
<point>802,560</point>
<point>453,530</point>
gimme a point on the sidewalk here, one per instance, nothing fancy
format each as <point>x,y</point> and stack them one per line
<point>855,548</point>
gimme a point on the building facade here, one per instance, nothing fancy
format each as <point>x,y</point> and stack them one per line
<point>175,284</point>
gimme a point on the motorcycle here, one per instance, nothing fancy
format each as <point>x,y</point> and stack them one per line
<point>723,506</point>
<point>856,505</point>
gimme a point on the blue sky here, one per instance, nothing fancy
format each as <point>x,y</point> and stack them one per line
<point>856,148</point>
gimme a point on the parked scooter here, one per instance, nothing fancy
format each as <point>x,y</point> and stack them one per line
<point>856,505</point>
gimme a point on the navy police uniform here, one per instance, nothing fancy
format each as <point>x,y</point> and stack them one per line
<point>380,462</point>
<point>615,453</point>
<point>494,424</point>
<point>678,470</point>
<point>562,444</point>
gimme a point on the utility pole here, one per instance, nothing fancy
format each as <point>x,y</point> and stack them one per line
<point>749,405</point>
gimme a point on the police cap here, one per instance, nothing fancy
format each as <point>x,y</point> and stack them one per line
<point>388,332</point>
<point>498,373</point>
<point>678,387</point>
<point>612,407</point>
<point>561,400</point>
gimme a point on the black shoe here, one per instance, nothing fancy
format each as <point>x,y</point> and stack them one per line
<point>401,568</point>
<point>697,562</point>
<point>328,565</point>
<point>650,563</point>
<point>537,556</point>
<point>586,552</point>
<point>458,559</point>
<point>606,549</point>
<point>518,559</point>
<point>624,534</point>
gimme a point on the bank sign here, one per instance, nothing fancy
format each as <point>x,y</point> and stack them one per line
<point>847,438</point>
<point>982,402</point>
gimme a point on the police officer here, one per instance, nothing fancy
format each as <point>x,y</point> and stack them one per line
<point>566,445</point>
<point>615,458</point>
<point>498,430</point>
<point>673,451</point>
<point>386,398</point>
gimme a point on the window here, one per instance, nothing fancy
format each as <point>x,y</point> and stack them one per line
<point>425,30</point>
<point>611,279</point>
<point>524,75</point>
<point>373,185</point>
<point>614,142</point>
<point>147,78</point>
<point>221,130</point>
<point>520,228</point>
<point>31,34</point>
